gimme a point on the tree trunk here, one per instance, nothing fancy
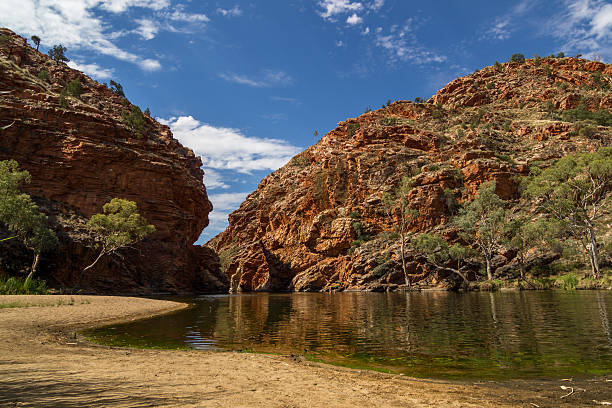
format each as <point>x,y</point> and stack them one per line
<point>34,265</point>
<point>89,267</point>
<point>404,259</point>
<point>593,255</point>
<point>489,273</point>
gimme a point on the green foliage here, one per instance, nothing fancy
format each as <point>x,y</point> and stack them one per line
<point>576,191</point>
<point>569,281</point>
<point>498,66</point>
<point>517,58</point>
<point>438,111</point>
<point>227,255</point>
<point>148,113</point>
<point>388,121</point>
<point>418,99</point>
<point>62,101</point>
<point>481,222</point>
<point>561,55</point>
<point>43,75</point>
<point>57,52</point>
<point>36,40</point>
<point>601,117</point>
<point>21,215</point>
<point>439,253</point>
<point>116,88</point>
<point>120,225</point>
<point>368,109</point>
<point>134,119</point>
<point>352,127</point>
<point>599,80</point>
<point>548,72</point>
<point>490,85</point>
<point>75,88</point>
<point>17,286</point>
<point>588,131</point>
<point>537,60</point>
<point>355,215</point>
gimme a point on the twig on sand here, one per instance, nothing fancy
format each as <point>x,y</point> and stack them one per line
<point>563,387</point>
<point>534,405</point>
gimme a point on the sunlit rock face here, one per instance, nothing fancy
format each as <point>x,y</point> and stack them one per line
<point>81,153</point>
<point>319,222</point>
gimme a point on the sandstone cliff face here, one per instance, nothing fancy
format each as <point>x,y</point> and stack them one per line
<point>297,230</point>
<point>84,154</point>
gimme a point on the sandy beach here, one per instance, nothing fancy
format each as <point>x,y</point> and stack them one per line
<point>43,362</point>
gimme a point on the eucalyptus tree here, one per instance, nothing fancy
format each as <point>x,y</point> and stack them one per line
<point>442,255</point>
<point>481,223</point>
<point>118,227</point>
<point>576,191</point>
<point>21,215</point>
<point>396,203</point>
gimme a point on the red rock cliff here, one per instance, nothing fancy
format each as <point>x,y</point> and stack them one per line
<point>297,230</point>
<point>81,153</point>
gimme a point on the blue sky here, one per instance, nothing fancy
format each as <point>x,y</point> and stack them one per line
<point>246,83</point>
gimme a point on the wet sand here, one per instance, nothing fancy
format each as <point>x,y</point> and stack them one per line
<point>43,362</point>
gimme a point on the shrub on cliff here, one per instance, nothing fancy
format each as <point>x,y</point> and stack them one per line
<point>57,52</point>
<point>21,215</point>
<point>520,58</point>
<point>36,40</point>
<point>118,227</point>
<point>116,88</point>
<point>135,119</point>
<point>75,88</point>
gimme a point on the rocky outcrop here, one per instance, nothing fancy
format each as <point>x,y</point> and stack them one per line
<point>319,222</point>
<point>82,152</point>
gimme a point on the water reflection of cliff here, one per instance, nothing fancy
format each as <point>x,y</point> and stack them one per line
<point>531,328</point>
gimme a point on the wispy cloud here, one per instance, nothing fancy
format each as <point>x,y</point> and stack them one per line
<point>78,25</point>
<point>268,78</point>
<point>402,45</point>
<point>502,27</point>
<point>585,26</point>
<point>93,70</point>
<point>213,180</point>
<point>275,117</point>
<point>285,99</point>
<point>229,149</point>
<point>232,12</point>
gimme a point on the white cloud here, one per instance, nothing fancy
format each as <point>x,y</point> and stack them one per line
<point>147,29</point>
<point>213,180</point>
<point>120,6</point>
<point>366,31</point>
<point>227,201</point>
<point>402,45</point>
<point>93,70</point>
<point>354,19</point>
<point>585,26</point>
<point>505,25</point>
<point>179,15</point>
<point>233,12</point>
<point>332,8</point>
<point>229,149</point>
<point>268,78</point>
<point>377,4</point>
<point>75,24</point>
<point>340,43</point>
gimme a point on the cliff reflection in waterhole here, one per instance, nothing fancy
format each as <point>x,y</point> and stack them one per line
<point>433,334</point>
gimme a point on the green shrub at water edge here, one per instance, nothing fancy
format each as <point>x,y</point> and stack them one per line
<point>18,286</point>
<point>569,281</point>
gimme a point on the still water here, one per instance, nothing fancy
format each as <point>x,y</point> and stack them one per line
<point>498,335</point>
